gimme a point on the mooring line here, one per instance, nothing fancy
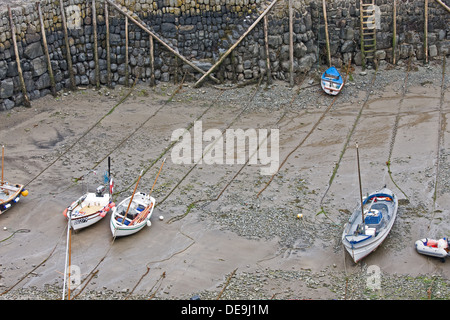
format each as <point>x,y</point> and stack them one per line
<point>212,144</point>
<point>83,135</point>
<point>192,205</point>
<point>306,137</point>
<point>169,147</point>
<point>347,141</point>
<point>441,130</point>
<point>395,127</point>
<point>34,269</point>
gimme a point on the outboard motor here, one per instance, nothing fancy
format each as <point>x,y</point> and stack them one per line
<point>99,191</point>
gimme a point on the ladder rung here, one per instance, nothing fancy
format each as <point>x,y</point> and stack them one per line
<point>369,51</point>
<point>371,16</point>
<point>369,33</point>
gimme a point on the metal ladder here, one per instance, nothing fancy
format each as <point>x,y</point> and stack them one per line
<point>368,30</point>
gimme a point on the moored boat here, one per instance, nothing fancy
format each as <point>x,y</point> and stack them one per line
<point>91,207</point>
<point>132,214</point>
<point>365,232</point>
<point>9,193</point>
<point>331,81</point>
<point>434,248</point>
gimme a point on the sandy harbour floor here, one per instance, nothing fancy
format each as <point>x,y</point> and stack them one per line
<point>218,238</point>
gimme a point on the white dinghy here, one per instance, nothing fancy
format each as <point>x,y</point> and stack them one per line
<point>434,248</point>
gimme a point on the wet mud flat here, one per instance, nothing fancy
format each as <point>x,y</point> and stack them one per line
<point>227,231</point>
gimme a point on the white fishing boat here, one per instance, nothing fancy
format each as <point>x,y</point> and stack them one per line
<point>434,248</point>
<point>91,207</point>
<point>371,222</point>
<point>365,232</point>
<point>133,213</point>
<point>9,193</point>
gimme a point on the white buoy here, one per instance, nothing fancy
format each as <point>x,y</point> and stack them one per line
<point>299,216</point>
<point>161,218</point>
<point>149,223</point>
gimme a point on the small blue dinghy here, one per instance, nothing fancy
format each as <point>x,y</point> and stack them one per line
<point>332,81</point>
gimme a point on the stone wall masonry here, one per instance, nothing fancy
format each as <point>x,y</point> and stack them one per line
<point>201,31</point>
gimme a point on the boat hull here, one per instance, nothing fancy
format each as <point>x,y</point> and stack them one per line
<point>361,245</point>
<point>433,251</point>
<point>331,81</point>
<point>88,210</point>
<point>140,200</point>
<point>10,195</point>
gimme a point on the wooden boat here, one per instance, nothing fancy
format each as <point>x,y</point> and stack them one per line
<point>9,193</point>
<point>134,212</point>
<point>365,232</point>
<point>137,210</point>
<point>332,82</point>
<point>90,207</point>
<point>434,248</point>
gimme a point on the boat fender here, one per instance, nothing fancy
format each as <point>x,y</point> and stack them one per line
<point>149,223</point>
<point>65,212</point>
<point>112,205</point>
<point>24,193</point>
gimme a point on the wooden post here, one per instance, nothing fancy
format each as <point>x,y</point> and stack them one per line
<point>152,61</point>
<point>94,30</point>
<point>159,40</point>
<point>394,36</point>
<point>326,32</point>
<point>47,55</point>
<point>266,39</point>
<point>236,44</point>
<point>126,53</point>
<point>26,100</point>
<point>444,5</point>
<point>425,41</point>
<point>68,54</point>
<point>291,44</point>
<point>108,49</point>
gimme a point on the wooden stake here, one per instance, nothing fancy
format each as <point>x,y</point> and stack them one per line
<point>108,49</point>
<point>152,61</point>
<point>94,30</point>
<point>324,6</point>
<point>291,44</point>
<point>158,39</point>
<point>266,39</point>
<point>127,81</point>
<point>394,36</point>
<point>68,54</point>
<point>26,100</point>
<point>47,55</point>
<point>425,41</point>
<point>236,44</point>
<point>444,5</point>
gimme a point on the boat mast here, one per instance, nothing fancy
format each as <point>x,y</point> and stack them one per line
<point>360,188</point>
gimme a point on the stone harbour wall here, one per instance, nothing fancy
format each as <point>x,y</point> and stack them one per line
<point>201,31</point>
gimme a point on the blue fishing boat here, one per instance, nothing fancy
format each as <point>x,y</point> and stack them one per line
<point>332,82</point>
